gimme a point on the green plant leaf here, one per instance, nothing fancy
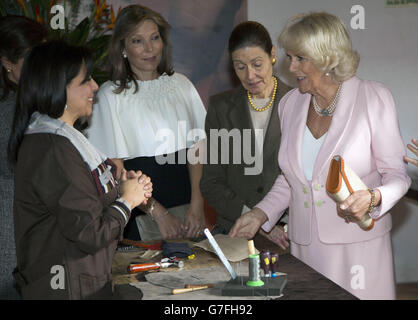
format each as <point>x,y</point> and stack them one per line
<point>80,33</point>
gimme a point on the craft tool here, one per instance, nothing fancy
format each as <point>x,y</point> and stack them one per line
<point>153,246</point>
<point>124,247</point>
<point>274,264</point>
<point>251,248</point>
<point>164,263</point>
<point>265,262</point>
<point>209,285</point>
<point>185,290</point>
<point>254,271</point>
<point>219,252</point>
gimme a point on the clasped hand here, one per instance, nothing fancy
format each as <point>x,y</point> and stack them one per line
<point>136,187</point>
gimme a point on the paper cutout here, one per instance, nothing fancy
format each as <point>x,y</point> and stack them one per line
<point>234,249</point>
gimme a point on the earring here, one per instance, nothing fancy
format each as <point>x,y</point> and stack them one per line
<point>9,70</point>
<point>65,108</point>
<point>273,61</point>
<point>124,55</point>
<point>327,74</point>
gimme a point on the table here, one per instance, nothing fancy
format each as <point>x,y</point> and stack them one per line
<point>303,283</point>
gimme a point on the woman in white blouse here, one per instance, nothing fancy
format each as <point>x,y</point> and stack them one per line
<point>146,119</point>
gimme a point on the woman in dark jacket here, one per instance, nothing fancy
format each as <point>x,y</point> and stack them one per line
<point>17,35</point>
<point>69,209</point>
<point>233,188</point>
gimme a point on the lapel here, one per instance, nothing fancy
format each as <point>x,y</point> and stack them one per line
<point>239,113</point>
<point>273,129</point>
<point>336,131</point>
<point>239,116</point>
<point>339,125</point>
<point>295,137</point>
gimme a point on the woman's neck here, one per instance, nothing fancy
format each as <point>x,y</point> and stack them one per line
<point>267,92</point>
<point>147,75</point>
<point>326,94</point>
<point>68,119</point>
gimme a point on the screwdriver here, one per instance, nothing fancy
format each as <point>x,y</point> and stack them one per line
<point>165,263</point>
<point>134,268</point>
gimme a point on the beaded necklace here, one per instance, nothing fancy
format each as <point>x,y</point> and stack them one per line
<point>271,100</point>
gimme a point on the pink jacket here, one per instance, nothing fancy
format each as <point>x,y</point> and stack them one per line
<point>365,132</point>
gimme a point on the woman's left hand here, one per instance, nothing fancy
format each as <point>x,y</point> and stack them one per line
<point>356,205</point>
<point>414,150</point>
<point>277,235</point>
<point>141,179</point>
<point>195,221</point>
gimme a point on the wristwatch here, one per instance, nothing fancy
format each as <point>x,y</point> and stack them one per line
<point>151,208</point>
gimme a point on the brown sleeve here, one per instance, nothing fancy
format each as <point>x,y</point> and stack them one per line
<point>71,195</point>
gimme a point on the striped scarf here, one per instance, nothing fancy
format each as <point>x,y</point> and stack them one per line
<point>103,172</point>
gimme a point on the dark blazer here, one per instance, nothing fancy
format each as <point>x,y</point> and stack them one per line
<point>7,243</point>
<point>226,187</point>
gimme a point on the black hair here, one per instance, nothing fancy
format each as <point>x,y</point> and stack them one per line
<point>46,73</point>
<point>17,35</point>
<point>250,34</point>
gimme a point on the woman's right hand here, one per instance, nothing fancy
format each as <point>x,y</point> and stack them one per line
<point>248,224</point>
<point>169,226</point>
<point>135,187</point>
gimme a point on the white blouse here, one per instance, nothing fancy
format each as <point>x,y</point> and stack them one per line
<point>165,115</point>
<point>260,120</point>
<point>310,150</point>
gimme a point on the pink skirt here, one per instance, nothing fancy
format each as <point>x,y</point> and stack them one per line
<point>365,269</point>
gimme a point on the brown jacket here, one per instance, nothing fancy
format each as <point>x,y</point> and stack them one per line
<point>64,230</point>
<point>225,187</point>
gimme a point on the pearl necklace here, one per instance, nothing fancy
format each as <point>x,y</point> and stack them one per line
<point>328,111</point>
<point>271,100</point>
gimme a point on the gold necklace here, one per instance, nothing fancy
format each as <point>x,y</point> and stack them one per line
<point>271,100</point>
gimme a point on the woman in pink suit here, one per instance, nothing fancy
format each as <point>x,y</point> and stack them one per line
<point>332,112</point>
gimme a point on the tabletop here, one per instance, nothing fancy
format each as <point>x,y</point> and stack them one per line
<point>303,282</point>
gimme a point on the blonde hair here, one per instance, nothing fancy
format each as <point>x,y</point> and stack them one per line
<point>324,38</point>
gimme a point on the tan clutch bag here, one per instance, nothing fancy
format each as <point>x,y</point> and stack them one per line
<point>343,181</point>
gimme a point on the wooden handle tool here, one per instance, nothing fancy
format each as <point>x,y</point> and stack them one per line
<point>209,285</point>
<point>251,248</point>
<point>184,290</point>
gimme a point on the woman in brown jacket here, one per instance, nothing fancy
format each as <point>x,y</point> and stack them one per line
<point>69,208</point>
